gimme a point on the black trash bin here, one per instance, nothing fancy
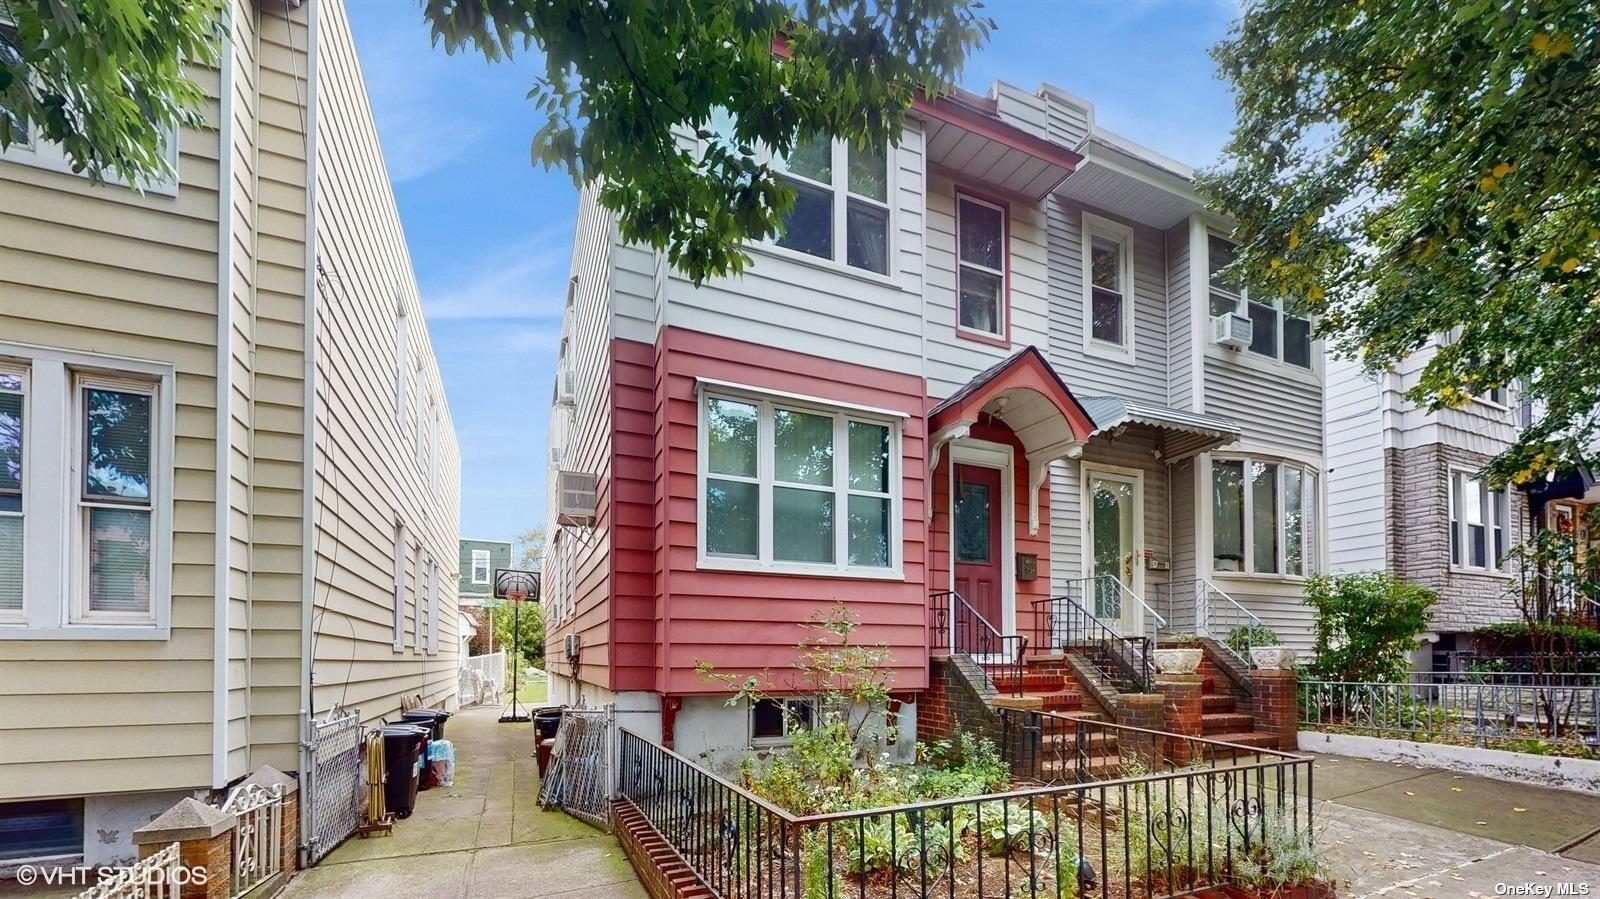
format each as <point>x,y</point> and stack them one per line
<point>402,754</point>
<point>546,722</point>
<point>432,719</point>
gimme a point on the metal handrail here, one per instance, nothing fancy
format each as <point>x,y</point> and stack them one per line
<point>1123,660</point>
<point>1124,593</point>
<point>959,627</point>
<point>1211,618</point>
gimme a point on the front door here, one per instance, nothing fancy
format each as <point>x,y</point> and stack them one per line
<point>977,541</point>
<point>1113,551</point>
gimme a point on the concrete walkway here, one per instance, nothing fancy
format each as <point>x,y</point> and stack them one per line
<point>1404,831</point>
<point>483,837</point>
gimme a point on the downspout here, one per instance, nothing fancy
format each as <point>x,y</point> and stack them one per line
<point>220,598</point>
<point>308,412</point>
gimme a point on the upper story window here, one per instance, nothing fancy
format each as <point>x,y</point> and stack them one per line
<point>981,249</point>
<point>839,189</point>
<point>13,396</point>
<point>791,486</point>
<point>1108,284</point>
<point>1479,523</point>
<point>480,566</point>
<point>1262,515</point>
<point>1275,333</point>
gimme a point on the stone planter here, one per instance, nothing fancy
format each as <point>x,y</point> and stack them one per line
<point>1272,657</point>
<point>1314,889</point>
<point>1178,661</point>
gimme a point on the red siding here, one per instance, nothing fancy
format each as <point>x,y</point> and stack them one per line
<point>744,622</point>
<point>633,582</point>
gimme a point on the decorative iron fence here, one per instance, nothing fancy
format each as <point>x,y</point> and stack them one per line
<point>257,850</point>
<point>156,876</point>
<point>579,778</point>
<point>332,788</point>
<point>1467,713</point>
<point>957,626</point>
<point>1056,748</point>
<point>1158,835</point>
<point>1069,625</point>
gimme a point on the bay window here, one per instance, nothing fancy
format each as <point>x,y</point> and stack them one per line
<point>1479,523</point>
<point>795,485</point>
<point>1275,333</point>
<point>1262,515</point>
<point>981,266</point>
<point>838,189</point>
<point>1108,284</point>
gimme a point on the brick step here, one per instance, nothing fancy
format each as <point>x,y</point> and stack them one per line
<point>1226,722</point>
<point>1219,702</point>
<point>1247,738</point>
<point>1099,765</point>
<point>1032,682</point>
<point>1103,742</point>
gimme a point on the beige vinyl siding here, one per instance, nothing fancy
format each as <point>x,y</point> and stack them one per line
<point>101,269</point>
<point>368,476</point>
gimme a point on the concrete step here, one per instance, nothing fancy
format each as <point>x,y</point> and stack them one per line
<point>1226,722</point>
<point>1247,738</point>
<point>1219,702</point>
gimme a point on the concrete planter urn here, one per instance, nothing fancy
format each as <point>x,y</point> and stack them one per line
<point>1272,657</point>
<point>1178,661</point>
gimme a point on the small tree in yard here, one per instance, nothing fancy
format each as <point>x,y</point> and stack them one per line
<point>1366,625</point>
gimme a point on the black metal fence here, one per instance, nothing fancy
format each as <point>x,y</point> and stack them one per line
<point>1057,748</point>
<point>1126,661</point>
<point>1157,835</point>
<point>956,626</point>
<point>1463,712</point>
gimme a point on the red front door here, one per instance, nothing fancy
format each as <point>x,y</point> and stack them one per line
<point>977,540</point>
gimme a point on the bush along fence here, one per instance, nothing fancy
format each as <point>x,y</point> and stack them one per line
<point>1156,827</point>
<point>1541,716</point>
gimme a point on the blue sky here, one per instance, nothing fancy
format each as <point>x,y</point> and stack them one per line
<point>491,234</point>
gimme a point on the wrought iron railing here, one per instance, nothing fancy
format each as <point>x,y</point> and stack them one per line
<point>257,844</point>
<point>1058,748</point>
<point>1467,666</point>
<point>1483,714</point>
<point>956,626</point>
<point>1157,835</point>
<point>1198,606</point>
<point>153,877</point>
<point>1067,626</point>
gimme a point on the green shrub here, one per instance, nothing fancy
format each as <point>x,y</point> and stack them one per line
<point>1243,637</point>
<point>968,766</point>
<point>1366,625</point>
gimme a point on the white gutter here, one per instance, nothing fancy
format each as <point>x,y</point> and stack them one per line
<point>219,624</point>
<point>308,580</point>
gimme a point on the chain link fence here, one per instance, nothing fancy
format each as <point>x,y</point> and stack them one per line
<point>579,779</point>
<point>333,782</point>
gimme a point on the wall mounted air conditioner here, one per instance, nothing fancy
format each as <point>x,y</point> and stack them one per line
<point>1232,330</point>
<point>555,456</point>
<point>566,388</point>
<point>576,497</point>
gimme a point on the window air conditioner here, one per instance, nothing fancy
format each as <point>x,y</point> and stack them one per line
<point>566,388</point>
<point>1232,330</point>
<point>555,456</point>
<point>575,502</point>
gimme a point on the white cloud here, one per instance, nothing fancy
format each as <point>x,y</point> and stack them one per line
<point>525,279</point>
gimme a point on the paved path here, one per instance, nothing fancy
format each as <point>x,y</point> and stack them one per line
<point>483,837</point>
<point>1397,830</point>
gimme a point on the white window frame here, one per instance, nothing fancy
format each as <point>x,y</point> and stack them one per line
<point>433,606</point>
<point>81,613</point>
<point>19,371</point>
<point>54,597</point>
<point>788,733</point>
<point>402,549</point>
<point>1242,303</point>
<point>1457,480</point>
<point>1002,314</point>
<point>480,556</point>
<point>402,366</point>
<point>418,599</point>
<point>1093,226</point>
<point>1310,536</point>
<point>766,402</point>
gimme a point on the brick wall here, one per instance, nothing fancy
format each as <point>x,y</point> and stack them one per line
<point>1182,707</point>
<point>955,700</point>
<point>1419,525</point>
<point>1275,703</point>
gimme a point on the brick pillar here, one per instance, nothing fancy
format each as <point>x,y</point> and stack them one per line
<point>1275,703</point>
<point>1182,707</point>
<point>204,836</point>
<point>1141,710</point>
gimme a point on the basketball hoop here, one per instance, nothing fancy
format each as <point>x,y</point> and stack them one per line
<point>519,587</point>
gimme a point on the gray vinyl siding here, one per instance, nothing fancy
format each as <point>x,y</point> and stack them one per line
<point>1355,517</point>
<point>1277,407</point>
<point>1288,615</point>
<point>1180,320</point>
<point>1146,377</point>
<point>1183,520</point>
<point>1134,449</point>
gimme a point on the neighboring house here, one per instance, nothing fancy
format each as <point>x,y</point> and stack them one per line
<point>987,361</point>
<point>479,559</point>
<point>230,479</point>
<point>1404,496</point>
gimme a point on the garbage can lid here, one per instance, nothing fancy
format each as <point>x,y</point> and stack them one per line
<point>424,714</point>
<point>404,730</point>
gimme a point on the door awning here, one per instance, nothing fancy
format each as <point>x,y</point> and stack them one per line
<point>1185,433</point>
<point>1024,393</point>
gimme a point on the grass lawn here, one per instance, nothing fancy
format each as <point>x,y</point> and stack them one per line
<point>532,692</point>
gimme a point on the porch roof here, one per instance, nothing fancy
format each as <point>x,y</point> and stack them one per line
<point>1187,433</point>
<point>1023,392</point>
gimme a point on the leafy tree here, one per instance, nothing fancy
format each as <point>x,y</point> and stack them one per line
<point>1412,169</point>
<point>620,76</point>
<point>1366,625</point>
<point>105,78</point>
<point>529,621</point>
<point>532,541</point>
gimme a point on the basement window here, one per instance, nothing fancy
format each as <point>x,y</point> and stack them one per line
<point>43,828</point>
<point>774,721</point>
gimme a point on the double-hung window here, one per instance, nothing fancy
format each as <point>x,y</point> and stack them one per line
<point>839,190</point>
<point>13,399</point>
<point>480,566</point>
<point>1108,284</point>
<point>1263,514</point>
<point>1480,523</point>
<point>981,248</point>
<point>116,430</point>
<point>1274,333</point>
<point>789,485</point>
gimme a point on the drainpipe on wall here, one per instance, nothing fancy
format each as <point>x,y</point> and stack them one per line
<point>308,438</point>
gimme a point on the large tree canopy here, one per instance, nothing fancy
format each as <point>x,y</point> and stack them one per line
<point>1416,169</point>
<point>104,78</point>
<point>620,75</point>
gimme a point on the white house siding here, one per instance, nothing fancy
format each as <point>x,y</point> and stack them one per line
<point>368,477</point>
<point>1357,496</point>
<point>100,269</point>
<point>1277,407</point>
<point>1068,118</point>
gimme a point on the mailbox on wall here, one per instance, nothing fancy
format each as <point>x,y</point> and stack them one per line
<point>1027,566</point>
